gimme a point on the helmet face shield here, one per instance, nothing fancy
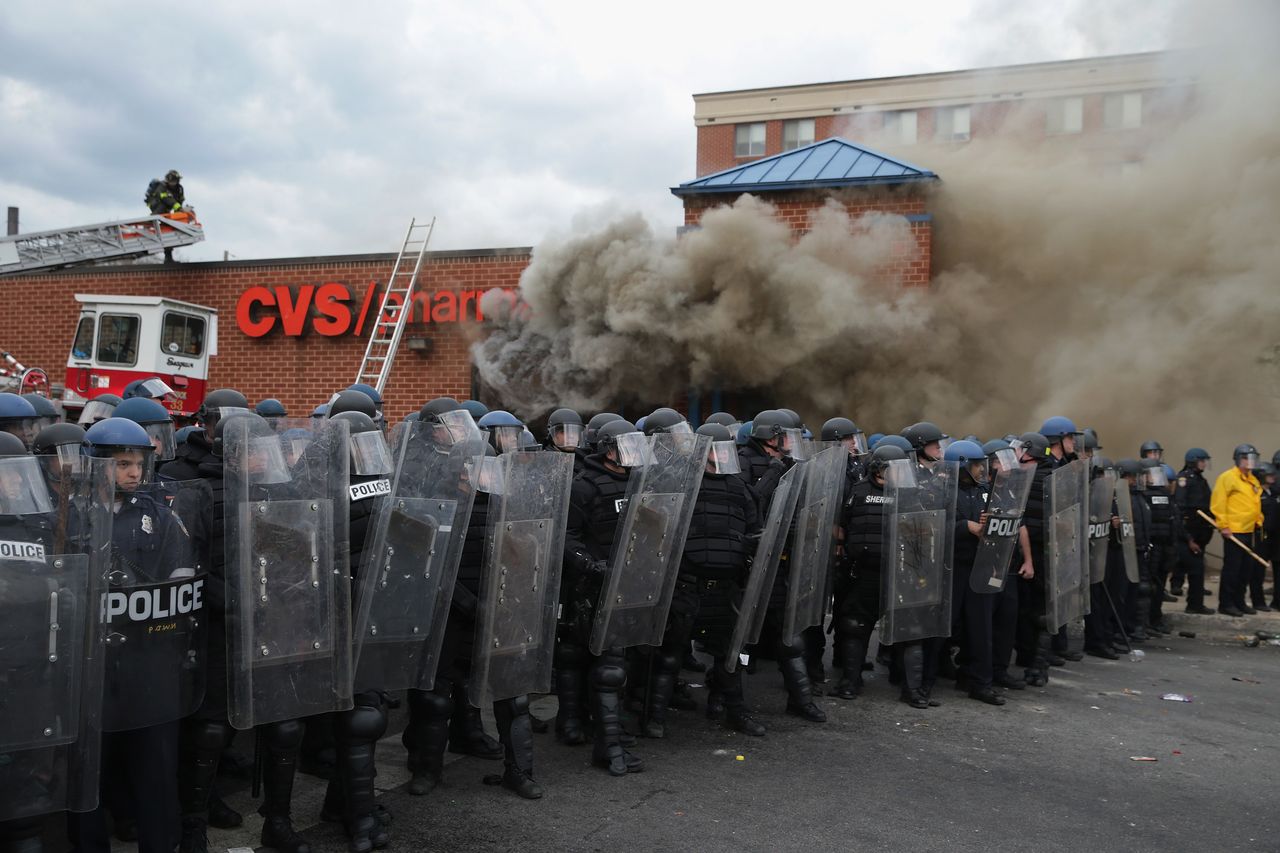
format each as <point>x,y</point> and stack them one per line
<point>156,389</point>
<point>455,427</point>
<point>1156,478</point>
<point>1005,460</point>
<point>633,450</point>
<point>681,428</point>
<point>163,438</point>
<point>793,444</point>
<point>1250,460</point>
<point>94,411</point>
<point>900,473</point>
<point>506,438</point>
<point>857,443</point>
<point>489,479</point>
<point>267,465</point>
<point>370,456</point>
<point>567,436</point>
<point>22,487</point>
<point>723,458</point>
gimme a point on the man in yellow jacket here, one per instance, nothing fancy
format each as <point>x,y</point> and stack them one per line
<point>1237,506</point>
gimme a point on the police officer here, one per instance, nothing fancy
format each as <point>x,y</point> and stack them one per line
<point>207,732</point>
<point>857,606</point>
<point>926,441</point>
<point>504,429</point>
<point>97,409</point>
<point>1062,436</point>
<point>1268,534</point>
<point>1165,532</point>
<point>763,460</point>
<point>1136,596</point>
<point>152,388</point>
<point>47,413</point>
<point>271,409</point>
<point>1192,498</point>
<point>1031,655</point>
<point>1004,616</point>
<point>712,570</point>
<point>595,506</point>
<point>847,433</point>
<point>147,543</point>
<point>1151,450</point>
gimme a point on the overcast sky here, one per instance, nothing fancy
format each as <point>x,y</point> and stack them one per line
<point>321,127</point>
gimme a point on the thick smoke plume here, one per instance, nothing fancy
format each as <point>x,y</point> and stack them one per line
<point>1142,304</point>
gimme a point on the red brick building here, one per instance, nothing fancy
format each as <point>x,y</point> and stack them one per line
<point>276,338</point>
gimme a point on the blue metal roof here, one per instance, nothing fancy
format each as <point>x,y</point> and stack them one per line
<point>828,163</point>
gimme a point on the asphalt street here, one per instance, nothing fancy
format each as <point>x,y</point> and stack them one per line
<point>1051,770</point>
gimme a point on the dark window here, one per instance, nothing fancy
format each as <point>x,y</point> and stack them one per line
<point>83,345</point>
<point>118,339</point>
<point>182,335</point>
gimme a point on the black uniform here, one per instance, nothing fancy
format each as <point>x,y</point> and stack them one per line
<point>762,473</point>
<point>712,571</point>
<point>139,766</point>
<point>985,621</point>
<point>1137,600</point>
<point>1267,541</point>
<point>1166,532</point>
<point>1194,493</point>
<point>858,602</point>
<point>1031,593</point>
<point>595,505</point>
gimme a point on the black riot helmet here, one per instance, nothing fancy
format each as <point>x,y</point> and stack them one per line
<point>622,443</point>
<point>1247,452</point>
<point>49,439</point>
<point>882,456</point>
<point>564,429</point>
<point>923,433</point>
<point>437,406</point>
<point>1089,440</point>
<point>11,445</point>
<point>592,433</point>
<point>449,422</point>
<point>1130,468</point>
<point>722,457</point>
<point>665,420</point>
<point>99,408</point>
<point>796,422</point>
<point>214,402</point>
<point>259,426</point>
<point>352,401</point>
<point>724,419</point>
<point>1151,447</point>
<point>770,424</point>
<point>845,430</point>
<point>1034,445</point>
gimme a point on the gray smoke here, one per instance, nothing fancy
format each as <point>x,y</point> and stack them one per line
<point>1142,304</point>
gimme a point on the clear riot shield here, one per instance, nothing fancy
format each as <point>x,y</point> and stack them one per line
<point>1066,543</point>
<point>520,584</point>
<point>1006,502</point>
<point>288,584</point>
<point>402,602</point>
<point>1128,544</point>
<point>1102,494</point>
<point>918,543</point>
<point>764,566</point>
<point>154,610</point>
<point>808,584</point>
<point>52,565</point>
<point>636,593</point>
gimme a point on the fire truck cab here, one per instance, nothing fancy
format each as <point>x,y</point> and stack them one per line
<point>122,338</point>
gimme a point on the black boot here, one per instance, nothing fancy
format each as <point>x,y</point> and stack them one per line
<point>799,691</point>
<point>222,815</point>
<point>282,741</point>
<point>737,715</point>
<point>662,685</point>
<point>202,743</point>
<point>570,687</point>
<point>466,729</point>
<point>715,702</point>
<point>853,650</point>
<point>912,662</point>
<point>426,738</point>
<point>358,732</point>
<point>516,732</point>
<point>609,679</point>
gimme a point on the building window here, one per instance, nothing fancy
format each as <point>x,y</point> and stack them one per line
<point>1065,115</point>
<point>748,140</point>
<point>1122,110</point>
<point>797,133</point>
<point>900,127</point>
<point>953,123</point>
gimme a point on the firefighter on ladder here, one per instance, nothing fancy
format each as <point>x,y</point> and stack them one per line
<point>166,196</point>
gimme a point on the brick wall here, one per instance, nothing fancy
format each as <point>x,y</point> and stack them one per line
<point>41,313</point>
<point>915,264</point>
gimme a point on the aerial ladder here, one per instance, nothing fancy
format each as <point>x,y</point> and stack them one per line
<point>396,305</point>
<point>40,251</point>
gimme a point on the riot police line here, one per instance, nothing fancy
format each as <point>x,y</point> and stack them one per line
<point>302,576</point>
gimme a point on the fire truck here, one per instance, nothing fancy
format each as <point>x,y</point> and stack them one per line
<point>122,338</point>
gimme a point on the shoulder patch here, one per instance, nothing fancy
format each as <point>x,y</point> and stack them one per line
<point>1182,482</point>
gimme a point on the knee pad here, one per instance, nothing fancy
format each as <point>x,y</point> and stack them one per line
<point>608,676</point>
<point>363,724</point>
<point>667,663</point>
<point>284,735</point>
<point>786,650</point>
<point>517,706</point>
<point>430,704</point>
<point>210,735</point>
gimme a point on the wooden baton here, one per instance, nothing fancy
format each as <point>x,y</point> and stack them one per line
<point>1246,548</point>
